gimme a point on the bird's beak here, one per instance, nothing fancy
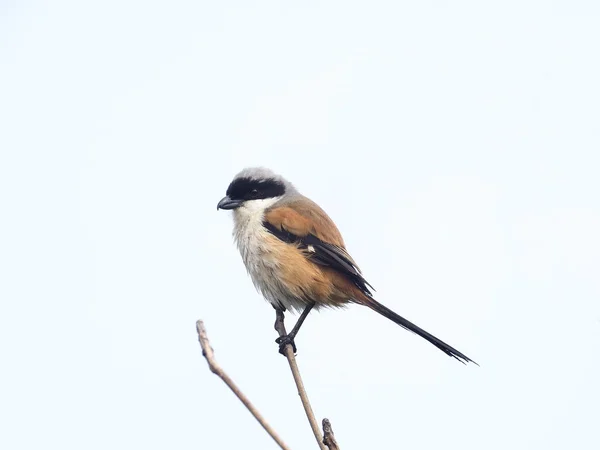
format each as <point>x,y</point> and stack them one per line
<point>227,203</point>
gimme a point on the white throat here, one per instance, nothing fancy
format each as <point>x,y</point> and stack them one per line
<point>248,229</point>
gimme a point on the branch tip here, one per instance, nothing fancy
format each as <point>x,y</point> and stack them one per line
<point>328,436</point>
<point>208,353</point>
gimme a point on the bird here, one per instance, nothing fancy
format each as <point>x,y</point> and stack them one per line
<point>296,256</point>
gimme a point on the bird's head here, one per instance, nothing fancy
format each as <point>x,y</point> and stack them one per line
<point>255,188</point>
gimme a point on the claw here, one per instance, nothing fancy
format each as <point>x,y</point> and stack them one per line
<point>283,341</point>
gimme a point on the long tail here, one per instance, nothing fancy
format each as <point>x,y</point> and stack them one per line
<point>447,349</point>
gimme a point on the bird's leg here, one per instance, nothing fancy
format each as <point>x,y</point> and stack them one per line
<point>285,339</point>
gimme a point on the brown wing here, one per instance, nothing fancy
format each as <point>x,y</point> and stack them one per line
<point>304,224</point>
<point>303,217</point>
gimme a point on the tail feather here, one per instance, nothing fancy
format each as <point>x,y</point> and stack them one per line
<point>447,349</point>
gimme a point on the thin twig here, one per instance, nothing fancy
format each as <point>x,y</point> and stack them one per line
<point>208,353</point>
<point>289,353</point>
<point>328,436</point>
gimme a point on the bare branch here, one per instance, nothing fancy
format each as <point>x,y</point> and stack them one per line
<point>208,353</point>
<point>328,436</point>
<point>289,353</point>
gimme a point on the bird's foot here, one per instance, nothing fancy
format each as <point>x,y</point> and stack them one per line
<point>283,341</point>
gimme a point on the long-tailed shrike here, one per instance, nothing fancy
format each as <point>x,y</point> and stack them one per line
<point>296,255</point>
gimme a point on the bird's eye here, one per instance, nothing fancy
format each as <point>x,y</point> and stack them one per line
<point>254,192</point>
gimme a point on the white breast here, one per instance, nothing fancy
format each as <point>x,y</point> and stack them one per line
<point>252,241</point>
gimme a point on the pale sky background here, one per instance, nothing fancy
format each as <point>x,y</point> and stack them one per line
<point>455,144</point>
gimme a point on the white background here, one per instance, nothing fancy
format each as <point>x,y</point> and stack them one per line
<point>455,144</point>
